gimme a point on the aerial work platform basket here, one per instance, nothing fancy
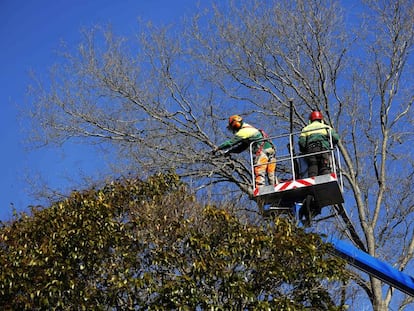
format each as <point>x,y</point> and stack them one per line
<point>295,189</point>
<point>294,186</point>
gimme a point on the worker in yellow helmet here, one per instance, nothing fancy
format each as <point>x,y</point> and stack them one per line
<point>315,137</point>
<point>264,160</point>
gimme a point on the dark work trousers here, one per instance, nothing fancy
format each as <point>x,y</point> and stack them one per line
<point>318,164</point>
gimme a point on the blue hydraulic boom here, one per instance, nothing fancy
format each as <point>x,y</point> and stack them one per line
<point>371,265</point>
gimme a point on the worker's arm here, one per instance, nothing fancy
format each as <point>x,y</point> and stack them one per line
<point>335,137</point>
<point>235,140</point>
<point>302,143</point>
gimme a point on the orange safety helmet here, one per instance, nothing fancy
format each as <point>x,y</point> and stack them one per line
<point>315,115</point>
<point>235,122</point>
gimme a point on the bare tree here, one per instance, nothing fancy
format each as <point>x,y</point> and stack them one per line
<point>162,99</point>
<point>361,81</point>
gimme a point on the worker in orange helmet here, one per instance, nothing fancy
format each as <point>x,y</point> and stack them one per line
<point>315,137</point>
<point>264,160</point>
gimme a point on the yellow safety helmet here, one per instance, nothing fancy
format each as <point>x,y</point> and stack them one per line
<point>235,122</point>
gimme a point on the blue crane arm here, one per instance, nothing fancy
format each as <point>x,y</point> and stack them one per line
<point>371,265</point>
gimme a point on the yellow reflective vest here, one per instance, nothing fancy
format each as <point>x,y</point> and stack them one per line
<point>317,132</point>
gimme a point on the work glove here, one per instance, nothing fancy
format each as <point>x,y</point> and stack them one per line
<point>214,151</point>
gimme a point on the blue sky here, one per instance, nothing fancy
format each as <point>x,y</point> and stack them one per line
<point>30,34</point>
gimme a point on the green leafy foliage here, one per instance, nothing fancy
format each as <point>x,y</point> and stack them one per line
<point>150,245</point>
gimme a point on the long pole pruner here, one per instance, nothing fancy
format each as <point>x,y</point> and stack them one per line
<point>291,141</point>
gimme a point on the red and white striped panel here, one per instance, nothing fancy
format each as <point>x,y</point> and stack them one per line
<point>293,184</point>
